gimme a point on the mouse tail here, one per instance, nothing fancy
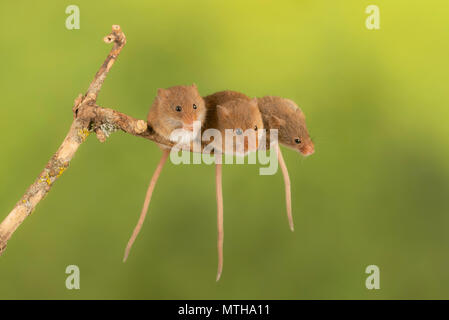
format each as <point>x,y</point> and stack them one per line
<point>288,194</point>
<point>146,203</point>
<point>218,184</point>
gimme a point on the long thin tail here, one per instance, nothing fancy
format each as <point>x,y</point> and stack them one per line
<point>219,218</point>
<point>146,203</point>
<point>288,195</point>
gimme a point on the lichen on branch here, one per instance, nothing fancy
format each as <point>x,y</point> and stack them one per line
<point>88,118</point>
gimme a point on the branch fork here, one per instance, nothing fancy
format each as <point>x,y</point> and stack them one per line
<point>88,117</point>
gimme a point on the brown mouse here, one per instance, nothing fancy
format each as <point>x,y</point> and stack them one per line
<point>243,117</point>
<point>278,113</point>
<point>284,115</point>
<point>173,108</point>
<point>176,108</point>
<point>239,115</point>
<point>226,110</point>
<point>221,97</point>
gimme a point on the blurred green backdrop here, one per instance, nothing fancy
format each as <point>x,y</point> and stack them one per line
<point>375,192</point>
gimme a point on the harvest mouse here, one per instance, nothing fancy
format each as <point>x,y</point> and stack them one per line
<point>218,103</point>
<point>176,108</point>
<point>284,115</point>
<point>277,113</point>
<point>239,115</point>
<point>290,121</point>
<point>173,108</point>
<point>243,117</point>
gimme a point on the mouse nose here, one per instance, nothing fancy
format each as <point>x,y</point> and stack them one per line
<point>307,150</point>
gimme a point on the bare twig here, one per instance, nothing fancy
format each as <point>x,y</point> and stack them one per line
<point>119,39</point>
<point>88,117</point>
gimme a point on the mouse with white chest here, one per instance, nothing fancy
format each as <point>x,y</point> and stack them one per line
<point>177,108</point>
<point>172,116</point>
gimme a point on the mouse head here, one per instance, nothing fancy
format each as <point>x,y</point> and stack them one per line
<point>180,106</point>
<point>242,116</point>
<point>292,130</point>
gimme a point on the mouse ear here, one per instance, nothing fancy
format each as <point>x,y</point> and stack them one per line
<point>194,86</point>
<point>299,111</point>
<point>161,92</point>
<point>275,122</point>
<point>254,101</point>
<point>222,112</point>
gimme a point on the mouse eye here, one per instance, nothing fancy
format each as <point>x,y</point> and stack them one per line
<point>298,141</point>
<point>178,108</point>
<point>194,106</point>
<point>255,128</point>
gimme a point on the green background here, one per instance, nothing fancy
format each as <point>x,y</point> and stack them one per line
<point>375,192</point>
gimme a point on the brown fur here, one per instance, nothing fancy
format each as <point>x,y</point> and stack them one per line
<point>284,115</point>
<point>224,96</point>
<point>217,98</point>
<point>229,110</point>
<point>277,113</point>
<point>164,118</point>
<point>235,114</point>
<point>239,113</point>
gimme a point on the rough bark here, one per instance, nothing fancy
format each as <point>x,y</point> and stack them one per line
<point>88,118</point>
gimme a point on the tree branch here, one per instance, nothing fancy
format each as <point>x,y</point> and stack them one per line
<point>88,117</point>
